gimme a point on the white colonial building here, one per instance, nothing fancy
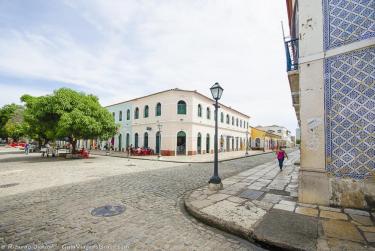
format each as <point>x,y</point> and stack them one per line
<point>282,131</point>
<point>177,122</point>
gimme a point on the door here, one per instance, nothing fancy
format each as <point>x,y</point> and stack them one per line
<point>145,140</point>
<point>158,142</point>
<point>181,143</point>
<point>228,143</point>
<point>119,142</point>
<point>127,140</point>
<point>208,143</point>
<point>199,143</point>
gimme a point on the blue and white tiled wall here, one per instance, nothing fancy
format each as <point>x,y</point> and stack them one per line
<point>347,21</point>
<point>349,89</point>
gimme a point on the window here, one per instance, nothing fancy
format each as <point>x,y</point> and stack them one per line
<point>222,117</point>
<point>227,119</point>
<point>236,121</point>
<point>114,115</point>
<point>279,131</point>
<point>232,120</point>
<point>240,123</point>
<point>208,113</point>
<point>128,114</point>
<point>145,112</point>
<point>199,110</point>
<point>136,113</point>
<point>120,116</point>
<point>181,107</point>
<point>158,109</point>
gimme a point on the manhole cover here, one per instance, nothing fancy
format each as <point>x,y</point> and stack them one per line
<point>9,185</point>
<point>279,192</point>
<point>108,210</point>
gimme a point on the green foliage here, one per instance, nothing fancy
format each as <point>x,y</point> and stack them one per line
<point>68,114</point>
<point>10,121</point>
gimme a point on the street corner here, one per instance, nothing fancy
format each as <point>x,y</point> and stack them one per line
<point>287,230</point>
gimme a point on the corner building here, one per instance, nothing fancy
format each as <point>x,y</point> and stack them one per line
<point>331,70</point>
<point>186,122</point>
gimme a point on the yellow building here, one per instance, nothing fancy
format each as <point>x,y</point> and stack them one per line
<point>262,140</point>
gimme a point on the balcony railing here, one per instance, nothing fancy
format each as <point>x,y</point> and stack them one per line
<point>291,50</point>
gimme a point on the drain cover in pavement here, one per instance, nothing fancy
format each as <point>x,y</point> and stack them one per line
<point>279,192</point>
<point>9,185</point>
<point>108,210</point>
<point>251,194</point>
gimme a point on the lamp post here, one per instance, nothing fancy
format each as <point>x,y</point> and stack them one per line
<point>215,180</point>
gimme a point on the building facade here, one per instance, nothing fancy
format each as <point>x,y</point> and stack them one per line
<point>263,140</point>
<point>177,122</point>
<point>331,70</point>
<point>281,131</point>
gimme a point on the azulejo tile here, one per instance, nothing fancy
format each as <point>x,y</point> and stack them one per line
<point>346,21</point>
<point>349,115</point>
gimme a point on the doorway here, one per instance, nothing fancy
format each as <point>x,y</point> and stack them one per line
<point>208,143</point>
<point>158,141</point>
<point>181,143</point>
<point>199,143</point>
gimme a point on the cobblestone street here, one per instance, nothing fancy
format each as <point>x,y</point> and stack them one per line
<point>60,216</point>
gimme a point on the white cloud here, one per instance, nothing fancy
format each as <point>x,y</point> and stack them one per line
<point>148,46</point>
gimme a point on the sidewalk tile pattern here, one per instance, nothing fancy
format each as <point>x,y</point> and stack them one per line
<point>350,113</point>
<point>347,21</point>
<point>260,215</point>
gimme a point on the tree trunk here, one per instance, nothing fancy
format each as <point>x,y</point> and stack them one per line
<point>74,143</point>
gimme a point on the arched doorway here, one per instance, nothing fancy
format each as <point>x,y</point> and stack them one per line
<point>257,143</point>
<point>136,140</point>
<point>127,140</point>
<point>181,143</point>
<point>119,142</point>
<point>145,140</point>
<point>199,143</point>
<point>228,143</point>
<point>221,143</point>
<point>158,142</point>
<point>208,143</point>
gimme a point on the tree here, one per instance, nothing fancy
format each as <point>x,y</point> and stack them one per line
<point>7,113</point>
<point>70,115</point>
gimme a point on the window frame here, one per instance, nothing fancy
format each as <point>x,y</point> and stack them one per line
<point>146,111</point>
<point>181,107</point>
<point>158,109</point>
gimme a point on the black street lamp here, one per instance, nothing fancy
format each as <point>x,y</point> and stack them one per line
<point>215,181</point>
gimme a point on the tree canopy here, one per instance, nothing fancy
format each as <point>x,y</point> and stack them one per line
<point>67,114</point>
<point>11,122</point>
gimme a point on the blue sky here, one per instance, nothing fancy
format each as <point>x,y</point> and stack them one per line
<point>122,49</point>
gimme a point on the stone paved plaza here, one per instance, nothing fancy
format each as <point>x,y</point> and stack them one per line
<point>53,203</point>
<point>197,158</point>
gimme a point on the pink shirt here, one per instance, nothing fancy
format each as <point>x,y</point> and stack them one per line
<point>280,154</point>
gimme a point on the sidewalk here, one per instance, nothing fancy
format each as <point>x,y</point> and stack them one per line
<point>261,205</point>
<point>198,158</point>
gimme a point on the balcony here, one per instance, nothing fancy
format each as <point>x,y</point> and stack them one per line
<point>291,50</point>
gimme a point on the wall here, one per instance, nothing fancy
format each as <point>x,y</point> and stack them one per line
<point>337,89</point>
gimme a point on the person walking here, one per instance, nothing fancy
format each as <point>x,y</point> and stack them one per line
<point>281,155</point>
<point>27,148</point>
